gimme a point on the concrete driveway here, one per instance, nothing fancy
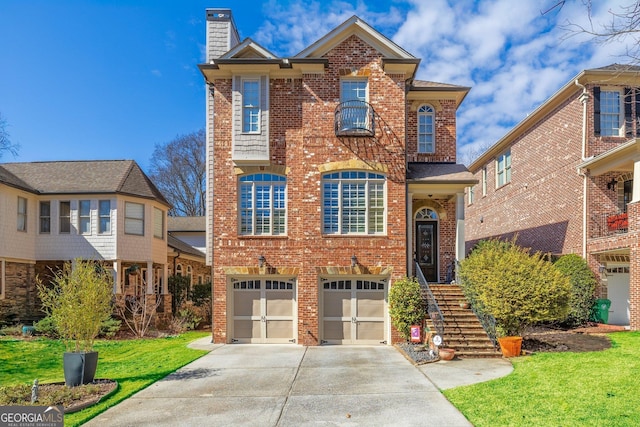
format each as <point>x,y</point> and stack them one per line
<point>290,385</point>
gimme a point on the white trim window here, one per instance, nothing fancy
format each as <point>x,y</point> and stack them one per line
<point>611,113</point>
<point>134,218</point>
<point>503,169</point>
<point>484,181</point>
<point>22,214</point>
<point>45,217</point>
<point>65,217</point>
<point>353,202</point>
<point>158,223</point>
<point>179,270</point>
<point>104,216</point>
<point>472,194</point>
<point>426,120</point>
<point>84,216</point>
<point>190,274</point>
<point>251,105</point>
<point>355,93</point>
<point>263,204</point>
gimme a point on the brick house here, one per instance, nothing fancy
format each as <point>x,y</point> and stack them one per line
<point>563,181</point>
<point>328,173</point>
<point>52,212</point>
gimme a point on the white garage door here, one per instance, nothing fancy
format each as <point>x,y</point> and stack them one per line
<point>353,311</point>
<point>263,311</point>
<point>618,293</point>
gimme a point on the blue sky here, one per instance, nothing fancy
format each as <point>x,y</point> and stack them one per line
<point>109,79</point>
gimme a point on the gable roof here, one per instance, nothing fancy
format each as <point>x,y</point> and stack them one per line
<point>81,177</point>
<point>249,49</point>
<point>357,26</point>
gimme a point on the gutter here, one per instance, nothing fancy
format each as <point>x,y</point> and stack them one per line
<point>584,98</point>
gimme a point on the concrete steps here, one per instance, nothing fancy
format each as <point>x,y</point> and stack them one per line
<point>462,329</point>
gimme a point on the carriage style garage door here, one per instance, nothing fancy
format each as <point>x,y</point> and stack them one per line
<point>263,311</point>
<point>353,311</point>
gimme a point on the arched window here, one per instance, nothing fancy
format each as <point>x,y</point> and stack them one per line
<point>427,213</point>
<point>179,270</point>
<point>190,274</point>
<point>263,204</point>
<point>426,135</point>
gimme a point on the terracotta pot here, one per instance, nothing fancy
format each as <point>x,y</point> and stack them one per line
<point>465,304</point>
<point>510,346</point>
<point>446,353</point>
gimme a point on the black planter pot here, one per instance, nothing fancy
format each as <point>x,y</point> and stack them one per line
<point>79,368</point>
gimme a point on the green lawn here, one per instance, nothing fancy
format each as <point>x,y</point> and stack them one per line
<point>561,389</point>
<point>135,364</point>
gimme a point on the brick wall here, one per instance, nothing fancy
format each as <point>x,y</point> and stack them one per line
<point>543,201</point>
<point>20,303</point>
<point>301,142</point>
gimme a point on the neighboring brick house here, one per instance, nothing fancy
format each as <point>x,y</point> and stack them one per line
<point>187,247</point>
<point>563,181</point>
<point>52,212</point>
<point>326,170</point>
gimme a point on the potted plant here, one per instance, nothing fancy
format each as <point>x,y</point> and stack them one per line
<point>78,300</point>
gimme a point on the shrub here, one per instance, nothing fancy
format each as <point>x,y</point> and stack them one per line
<point>583,287</point>
<point>516,288</point>
<point>406,305</point>
<point>78,301</point>
<point>179,290</point>
<point>47,327</point>
<point>202,299</point>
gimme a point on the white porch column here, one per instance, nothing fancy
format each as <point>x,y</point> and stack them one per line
<point>409,248</point>
<point>117,283</point>
<point>636,182</point>
<point>165,278</point>
<point>149,277</point>
<point>460,226</point>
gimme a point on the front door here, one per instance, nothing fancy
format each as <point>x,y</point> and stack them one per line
<point>427,249</point>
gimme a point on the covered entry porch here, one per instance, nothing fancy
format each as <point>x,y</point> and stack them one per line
<point>435,218</point>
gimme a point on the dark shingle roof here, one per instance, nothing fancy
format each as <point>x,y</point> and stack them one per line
<point>186,223</point>
<point>82,177</point>
<point>440,173</point>
<point>181,246</point>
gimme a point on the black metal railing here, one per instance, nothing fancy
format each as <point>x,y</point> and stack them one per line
<point>354,118</point>
<point>608,224</point>
<point>433,310</point>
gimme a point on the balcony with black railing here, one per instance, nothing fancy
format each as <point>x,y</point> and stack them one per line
<point>354,118</point>
<point>609,224</point>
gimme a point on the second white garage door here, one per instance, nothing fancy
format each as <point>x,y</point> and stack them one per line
<point>353,311</point>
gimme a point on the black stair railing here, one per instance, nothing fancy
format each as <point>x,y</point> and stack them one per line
<point>433,310</point>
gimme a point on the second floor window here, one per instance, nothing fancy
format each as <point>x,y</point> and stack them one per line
<point>610,113</point>
<point>353,202</point>
<point>263,204</point>
<point>425,129</point>
<point>158,223</point>
<point>503,169</point>
<point>134,218</point>
<point>353,95</point>
<point>65,217</point>
<point>22,214</point>
<point>45,217</point>
<point>84,213</point>
<point>104,214</point>
<point>250,105</point>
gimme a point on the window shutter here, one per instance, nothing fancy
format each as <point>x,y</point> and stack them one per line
<point>637,112</point>
<point>596,110</point>
<point>628,116</point>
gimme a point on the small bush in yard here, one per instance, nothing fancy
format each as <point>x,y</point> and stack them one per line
<point>513,286</point>
<point>583,287</point>
<point>406,306</point>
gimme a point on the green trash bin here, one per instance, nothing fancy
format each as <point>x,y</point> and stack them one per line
<point>601,310</point>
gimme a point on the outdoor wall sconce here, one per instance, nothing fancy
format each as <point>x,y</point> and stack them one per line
<point>354,261</point>
<point>261,260</point>
<point>611,185</point>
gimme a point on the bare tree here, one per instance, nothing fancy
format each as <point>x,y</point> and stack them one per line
<point>5,142</point>
<point>469,153</point>
<point>622,26</point>
<point>178,168</point>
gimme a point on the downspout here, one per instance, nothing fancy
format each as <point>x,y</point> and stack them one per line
<point>584,98</point>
